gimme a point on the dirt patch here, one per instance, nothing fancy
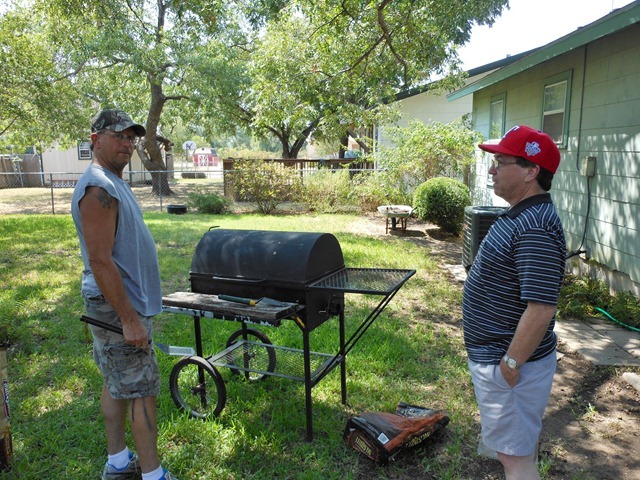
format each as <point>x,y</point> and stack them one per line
<point>591,429</point>
<point>592,424</point>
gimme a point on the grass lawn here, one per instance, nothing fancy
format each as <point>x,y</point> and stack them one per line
<point>412,353</point>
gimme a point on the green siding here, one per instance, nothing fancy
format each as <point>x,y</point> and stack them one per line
<point>603,122</point>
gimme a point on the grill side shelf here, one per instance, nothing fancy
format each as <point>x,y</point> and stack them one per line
<point>372,281</point>
<point>210,306</point>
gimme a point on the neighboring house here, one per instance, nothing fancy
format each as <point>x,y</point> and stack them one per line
<point>62,168</point>
<point>76,160</point>
<point>584,90</point>
<point>429,104</point>
<point>206,157</point>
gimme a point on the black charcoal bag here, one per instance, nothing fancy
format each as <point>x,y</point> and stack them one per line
<point>380,435</point>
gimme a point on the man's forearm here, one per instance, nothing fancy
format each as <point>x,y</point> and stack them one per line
<point>530,331</point>
<point>111,285</point>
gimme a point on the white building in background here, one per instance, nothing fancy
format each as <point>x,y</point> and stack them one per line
<point>431,105</point>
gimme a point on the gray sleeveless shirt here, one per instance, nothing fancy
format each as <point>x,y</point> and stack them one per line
<point>134,251</point>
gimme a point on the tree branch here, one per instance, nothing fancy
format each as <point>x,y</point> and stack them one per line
<point>354,135</point>
<point>387,36</point>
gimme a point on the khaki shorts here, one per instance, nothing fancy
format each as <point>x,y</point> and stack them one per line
<point>511,418</point>
<point>128,372</point>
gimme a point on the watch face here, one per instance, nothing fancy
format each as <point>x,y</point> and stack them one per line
<point>512,363</point>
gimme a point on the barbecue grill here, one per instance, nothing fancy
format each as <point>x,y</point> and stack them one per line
<point>277,265</point>
<point>266,277</point>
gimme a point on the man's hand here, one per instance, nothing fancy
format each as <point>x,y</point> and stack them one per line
<point>510,375</point>
<point>135,334</point>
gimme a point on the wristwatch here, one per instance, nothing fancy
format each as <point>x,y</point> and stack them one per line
<point>510,362</point>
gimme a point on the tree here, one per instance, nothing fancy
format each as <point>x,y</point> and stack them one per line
<point>139,55</point>
<point>39,103</point>
<point>323,67</point>
<point>284,68</point>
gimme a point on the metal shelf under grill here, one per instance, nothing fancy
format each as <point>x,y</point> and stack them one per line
<point>287,360</point>
<point>373,281</point>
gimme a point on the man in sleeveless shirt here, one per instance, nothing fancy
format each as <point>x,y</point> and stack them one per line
<point>510,299</point>
<point>120,286</point>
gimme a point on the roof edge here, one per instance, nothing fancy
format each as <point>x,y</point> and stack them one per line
<point>473,72</point>
<point>615,21</point>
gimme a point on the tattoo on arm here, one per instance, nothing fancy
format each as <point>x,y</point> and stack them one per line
<point>104,198</point>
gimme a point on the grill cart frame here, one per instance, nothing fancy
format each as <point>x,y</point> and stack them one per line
<point>384,283</point>
<point>259,277</point>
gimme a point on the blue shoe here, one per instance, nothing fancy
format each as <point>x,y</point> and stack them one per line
<point>130,472</point>
<point>167,476</point>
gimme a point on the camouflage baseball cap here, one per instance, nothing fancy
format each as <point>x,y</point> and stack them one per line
<point>116,121</point>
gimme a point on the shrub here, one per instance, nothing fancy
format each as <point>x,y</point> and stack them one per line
<point>441,201</point>
<point>328,191</point>
<point>580,296</point>
<point>371,189</point>
<point>421,151</point>
<point>266,184</point>
<point>203,201</point>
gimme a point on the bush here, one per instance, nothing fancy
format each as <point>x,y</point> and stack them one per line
<point>204,201</point>
<point>421,151</point>
<point>328,191</point>
<point>441,201</point>
<point>265,184</point>
<point>372,189</point>
<point>580,296</point>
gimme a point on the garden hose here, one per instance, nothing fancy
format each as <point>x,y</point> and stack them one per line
<point>606,314</point>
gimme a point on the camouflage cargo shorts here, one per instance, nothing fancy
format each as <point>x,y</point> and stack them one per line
<point>128,372</point>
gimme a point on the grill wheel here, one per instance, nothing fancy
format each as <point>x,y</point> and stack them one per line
<point>256,354</point>
<point>197,387</point>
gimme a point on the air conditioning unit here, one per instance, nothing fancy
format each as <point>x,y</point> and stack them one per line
<point>477,222</point>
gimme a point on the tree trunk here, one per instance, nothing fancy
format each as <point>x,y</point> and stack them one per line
<point>160,183</point>
<point>286,148</point>
<point>366,148</point>
<point>344,145</point>
<point>159,177</point>
<point>149,147</point>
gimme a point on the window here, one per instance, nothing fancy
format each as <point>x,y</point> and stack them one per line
<point>496,116</point>
<point>497,111</point>
<point>555,108</point>
<point>84,150</point>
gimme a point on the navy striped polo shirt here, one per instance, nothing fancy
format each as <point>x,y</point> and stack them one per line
<point>521,259</point>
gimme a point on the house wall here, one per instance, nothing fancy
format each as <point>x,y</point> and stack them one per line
<point>65,166</point>
<point>428,107</point>
<point>604,123</point>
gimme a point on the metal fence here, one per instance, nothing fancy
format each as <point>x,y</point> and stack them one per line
<point>50,193</point>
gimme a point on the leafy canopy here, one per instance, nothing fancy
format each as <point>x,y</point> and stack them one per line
<point>285,69</point>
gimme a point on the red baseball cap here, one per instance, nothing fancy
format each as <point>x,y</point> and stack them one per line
<point>528,143</point>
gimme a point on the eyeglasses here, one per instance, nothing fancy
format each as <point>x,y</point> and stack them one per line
<point>497,164</point>
<point>122,137</point>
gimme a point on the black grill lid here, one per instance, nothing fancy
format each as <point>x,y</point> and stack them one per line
<point>295,257</point>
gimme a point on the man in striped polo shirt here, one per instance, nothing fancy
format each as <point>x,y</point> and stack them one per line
<point>510,299</point>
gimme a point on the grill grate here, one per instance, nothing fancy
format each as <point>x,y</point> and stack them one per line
<point>374,281</point>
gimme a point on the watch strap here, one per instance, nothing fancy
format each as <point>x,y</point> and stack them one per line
<point>510,362</point>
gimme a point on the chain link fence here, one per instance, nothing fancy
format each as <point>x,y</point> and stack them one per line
<point>50,193</point>
<point>25,192</point>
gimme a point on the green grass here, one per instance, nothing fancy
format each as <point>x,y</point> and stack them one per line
<point>412,353</point>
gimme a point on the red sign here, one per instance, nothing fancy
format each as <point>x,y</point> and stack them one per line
<point>205,160</point>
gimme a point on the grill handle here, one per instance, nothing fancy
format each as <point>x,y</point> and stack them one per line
<point>237,279</point>
<point>231,298</point>
<point>335,306</point>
